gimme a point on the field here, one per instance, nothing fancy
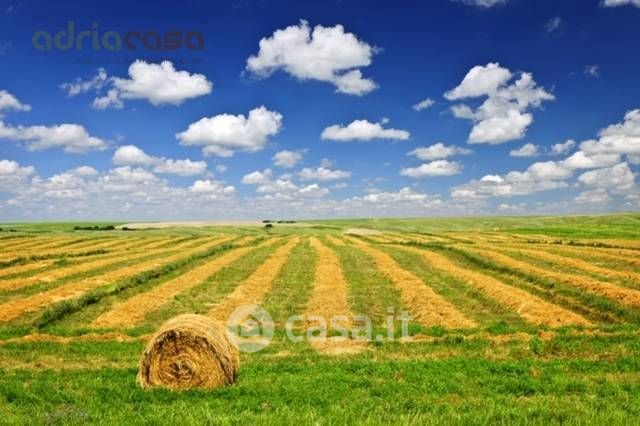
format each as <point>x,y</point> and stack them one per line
<point>532,320</point>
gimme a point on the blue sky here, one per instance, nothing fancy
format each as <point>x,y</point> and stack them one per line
<point>320,118</point>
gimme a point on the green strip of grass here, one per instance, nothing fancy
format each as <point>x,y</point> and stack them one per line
<point>466,298</point>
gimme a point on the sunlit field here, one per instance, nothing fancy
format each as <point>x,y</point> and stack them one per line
<point>510,319</point>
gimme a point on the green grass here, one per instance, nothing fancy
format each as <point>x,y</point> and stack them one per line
<point>305,388</point>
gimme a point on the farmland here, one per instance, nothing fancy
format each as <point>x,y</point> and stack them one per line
<point>510,319</point>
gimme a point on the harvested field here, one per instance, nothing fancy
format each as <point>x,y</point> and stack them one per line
<point>425,305</point>
<point>581,265</point>
<point>133,310</point>
<point>89,265</point>
<point>530,307</point>
<point>497,319</point>
<point>16,307</point>
<point>625,296</point>
<point>330,297</point>
<point>257,285</point>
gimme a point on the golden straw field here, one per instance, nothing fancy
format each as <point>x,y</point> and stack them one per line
<point>506,319</point>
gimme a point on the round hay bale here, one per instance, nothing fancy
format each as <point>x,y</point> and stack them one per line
<point>189,351</point>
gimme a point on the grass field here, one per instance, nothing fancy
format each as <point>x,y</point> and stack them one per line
<point>528,320</point>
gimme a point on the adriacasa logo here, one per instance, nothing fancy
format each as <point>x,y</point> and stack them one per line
<point>94,39</point>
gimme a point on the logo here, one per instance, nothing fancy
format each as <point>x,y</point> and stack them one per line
<point>94,39</point>
<point>251,328</point>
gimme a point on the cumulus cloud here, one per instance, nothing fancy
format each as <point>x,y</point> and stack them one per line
<point>363,130</point>
<point>583,160</point>
<point>603,155</point>
<point>621,138</point>
<point>504,115</point>
<point>13,175</point>
<point>595,196</point>
<point>526,150</point>
<point>616,3</point>
<point>438,151</point>
<point>434,168</point>
<point>326,54</point>
<point>160,84</point>
<point>287,159</point>
<point>282,188</point>
<point>257,177</point>
<point>72,138</point>
<point>224,134</point>
<point>562,148</point>
<point>322,174</point>
<point>213,189</point>
<point>618,178</point>
<point>424,104</point>
<point>9,102</point>
<point>131,155</point>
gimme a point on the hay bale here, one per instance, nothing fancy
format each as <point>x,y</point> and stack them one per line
<point>189,351</point>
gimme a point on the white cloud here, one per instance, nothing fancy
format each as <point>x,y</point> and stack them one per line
<point>595,196</point>
<point>110,100</point>
<point>9,102</point>
<point>84,171</point>
<point>184,167</point>
<point>160,84</point>
<point>540,176</point>
<point>363,130</point>
<point>504,115</point>
<point>13,176</point>
<point>130,155</point>
<point>620,138</point>
<point>438,151</point>
<point>79,85</point>
<point>616,3</point>
<point>618,178</point>
<point>582,160</point>
<point>221,168</point>
<point>548,170</point>
<point>73,138</point>
<point>10,167</point>
<point>603,155</point>
<point>434,168</point>
<point>326,54</point>
<point>257,177</point>
<point>526,150</point>
<point>283,188</point>
<point>424,104</point>
<point>224,134</point>
<point>480,81</point>
<point>592,70</point>
<point>322,174</point>
<point>313,191</point>
<point>483,3</point>
<point>562,148</point>
<point>287,158</point>
<point>213,189</point>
